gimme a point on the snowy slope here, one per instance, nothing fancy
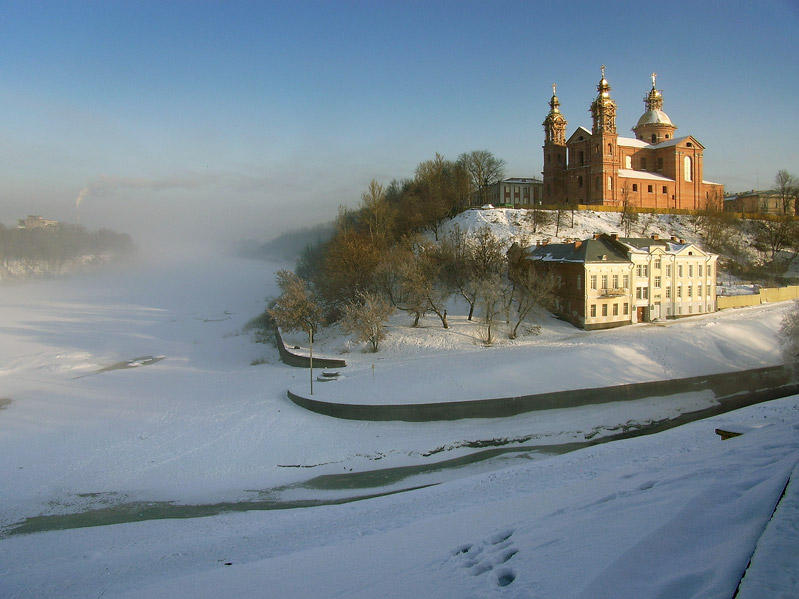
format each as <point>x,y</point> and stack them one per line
<point>517,224</point>
<point>88,421</point>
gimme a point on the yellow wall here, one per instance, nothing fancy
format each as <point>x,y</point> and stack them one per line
<point>766,295</point>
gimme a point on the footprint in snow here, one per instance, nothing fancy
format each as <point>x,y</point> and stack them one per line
<point>490,555</point>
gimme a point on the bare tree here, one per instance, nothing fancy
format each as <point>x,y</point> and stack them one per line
<point>789,341</point>
<point>377,214</point>
<point>628,215</point>
<point>366,318</point>
<point>530,288</point>
<point>470,259</point>
<point>491,292</point>
<point>349,265</point>
<point>715,224</point>
<point>538,218</point>
<point>772,237</point>
<point>484,169</point>
<point>787,186</point>
<point>423,287</point>
<point>439,184</point>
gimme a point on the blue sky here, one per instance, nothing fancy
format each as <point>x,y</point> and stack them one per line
<point>241,118</point>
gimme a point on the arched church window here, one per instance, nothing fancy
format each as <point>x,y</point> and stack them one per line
<point>628,162</point>
<point>654,138</point>
<point>610,183</point>
<point>610,149</point>
<point>643,164</point>
<point>687,168</point>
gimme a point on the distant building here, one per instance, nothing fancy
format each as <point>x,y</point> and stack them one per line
<point>516,192</point>
<point>36,222</point>
<point>758,202</point>
<point>652,170</point>
<point>608,281</point>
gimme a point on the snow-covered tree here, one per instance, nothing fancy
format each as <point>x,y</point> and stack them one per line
<point>297,308</point>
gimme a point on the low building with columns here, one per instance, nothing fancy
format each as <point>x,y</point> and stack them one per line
<point>654,169</point>
<point>515,191</point>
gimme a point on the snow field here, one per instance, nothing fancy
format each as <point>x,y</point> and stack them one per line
<point>681,510</point>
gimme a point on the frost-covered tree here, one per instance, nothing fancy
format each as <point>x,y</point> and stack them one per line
<point>297,308</point>
<point>366,318</point>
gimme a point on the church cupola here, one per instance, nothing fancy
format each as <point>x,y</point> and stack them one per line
<point>654,126</point>
<point>603,109</point>
<point>555,123</point>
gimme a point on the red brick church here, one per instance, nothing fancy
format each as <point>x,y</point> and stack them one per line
<point>654,169</point>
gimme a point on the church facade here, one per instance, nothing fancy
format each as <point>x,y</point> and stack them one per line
<point>654,169</point>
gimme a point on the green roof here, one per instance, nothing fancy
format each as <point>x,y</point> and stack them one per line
<point>588,250</point>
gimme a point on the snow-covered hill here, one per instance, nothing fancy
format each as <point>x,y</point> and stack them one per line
<point>512,225</point>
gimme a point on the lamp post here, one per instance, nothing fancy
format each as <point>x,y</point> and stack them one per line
<point>310,346</point>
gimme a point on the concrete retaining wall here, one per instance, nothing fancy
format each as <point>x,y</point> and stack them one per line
<point>292,359</point>
<point>768,383</point>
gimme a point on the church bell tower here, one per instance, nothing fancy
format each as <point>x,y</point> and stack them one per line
<point>604,151</point>
<point>554,153</point>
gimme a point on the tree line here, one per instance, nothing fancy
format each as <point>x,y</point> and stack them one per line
<point>379,260</point>
<point>762,248</point>
<point>59,245</point>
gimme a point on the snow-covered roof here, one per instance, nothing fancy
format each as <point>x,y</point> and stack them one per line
<point>654,117</point>
<point>581,131</point>
<point>647,245</point>
<point>631,142</point>
<point>588,250</point>
<point>521,180</point>
<point>675,141</point>
<point>633,174</point>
